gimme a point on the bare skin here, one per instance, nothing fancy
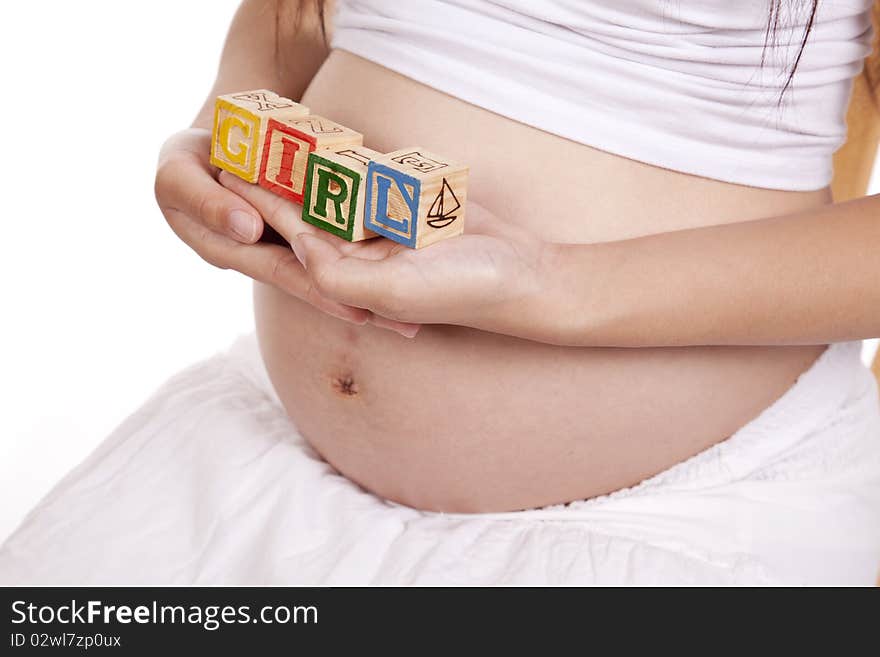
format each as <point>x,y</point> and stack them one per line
<point>465,420</point>
<point>459,419</point>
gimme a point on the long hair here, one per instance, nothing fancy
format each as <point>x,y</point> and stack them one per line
<point>775,23</point>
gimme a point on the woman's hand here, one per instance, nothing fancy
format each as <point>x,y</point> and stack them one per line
<point>496,277</point>
<point>223,228</point>
<point>193,202</point>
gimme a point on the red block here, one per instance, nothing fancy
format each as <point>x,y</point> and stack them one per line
<point>286,151</point>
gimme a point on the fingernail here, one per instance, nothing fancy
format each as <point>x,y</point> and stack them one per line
<point>243,224</point>
<point>409,332</point>
<point>300,252</point>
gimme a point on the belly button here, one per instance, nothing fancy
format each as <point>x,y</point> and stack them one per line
<point>345,385</point>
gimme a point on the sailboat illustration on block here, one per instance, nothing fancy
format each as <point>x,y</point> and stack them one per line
<point>416,197</point>
<point>440,214</point>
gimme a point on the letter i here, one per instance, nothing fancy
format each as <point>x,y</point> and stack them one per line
<point>288,154</point>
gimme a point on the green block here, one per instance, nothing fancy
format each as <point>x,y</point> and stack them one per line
<point>332,198</point>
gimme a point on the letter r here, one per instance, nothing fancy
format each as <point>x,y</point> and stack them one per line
<point>323,194</point>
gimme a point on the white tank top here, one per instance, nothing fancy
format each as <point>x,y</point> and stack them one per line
<point>675,83</point>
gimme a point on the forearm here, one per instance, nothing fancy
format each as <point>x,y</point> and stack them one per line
<point>808,278</point>
<point>271,44</point>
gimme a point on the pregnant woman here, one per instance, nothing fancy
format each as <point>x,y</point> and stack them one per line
<point>622,371</point>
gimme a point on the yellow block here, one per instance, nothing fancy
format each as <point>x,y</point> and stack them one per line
<point>240,121</point>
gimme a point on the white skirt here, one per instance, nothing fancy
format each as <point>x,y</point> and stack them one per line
<point>210,483</point>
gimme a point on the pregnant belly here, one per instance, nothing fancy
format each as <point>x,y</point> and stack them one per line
<point>467,421</point>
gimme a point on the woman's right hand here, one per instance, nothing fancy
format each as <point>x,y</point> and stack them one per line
<point>224,229</point>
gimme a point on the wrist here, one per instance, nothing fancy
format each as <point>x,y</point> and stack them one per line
<point>547,312</point>
<point>575,279</point>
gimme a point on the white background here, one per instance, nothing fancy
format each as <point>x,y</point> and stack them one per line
<point>102,303</point>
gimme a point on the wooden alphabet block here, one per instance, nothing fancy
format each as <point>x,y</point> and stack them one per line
<point>335,191</point>
<point>240,124</point>
<point>415,197</point>
<point>288,144</point>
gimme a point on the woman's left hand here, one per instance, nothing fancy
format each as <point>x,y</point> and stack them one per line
<point>493,277</point>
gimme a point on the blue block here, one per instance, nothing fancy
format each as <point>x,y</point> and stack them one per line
<point>381,178</point>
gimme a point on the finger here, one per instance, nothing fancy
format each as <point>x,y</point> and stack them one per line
<point>267,263</point>
<point>286,217</point>
<point>372,284</point>
<point>280,213</point>
<point>184,185</point>
<point>406,329</point>
<point>480,221</point>
<point>382,249</point>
